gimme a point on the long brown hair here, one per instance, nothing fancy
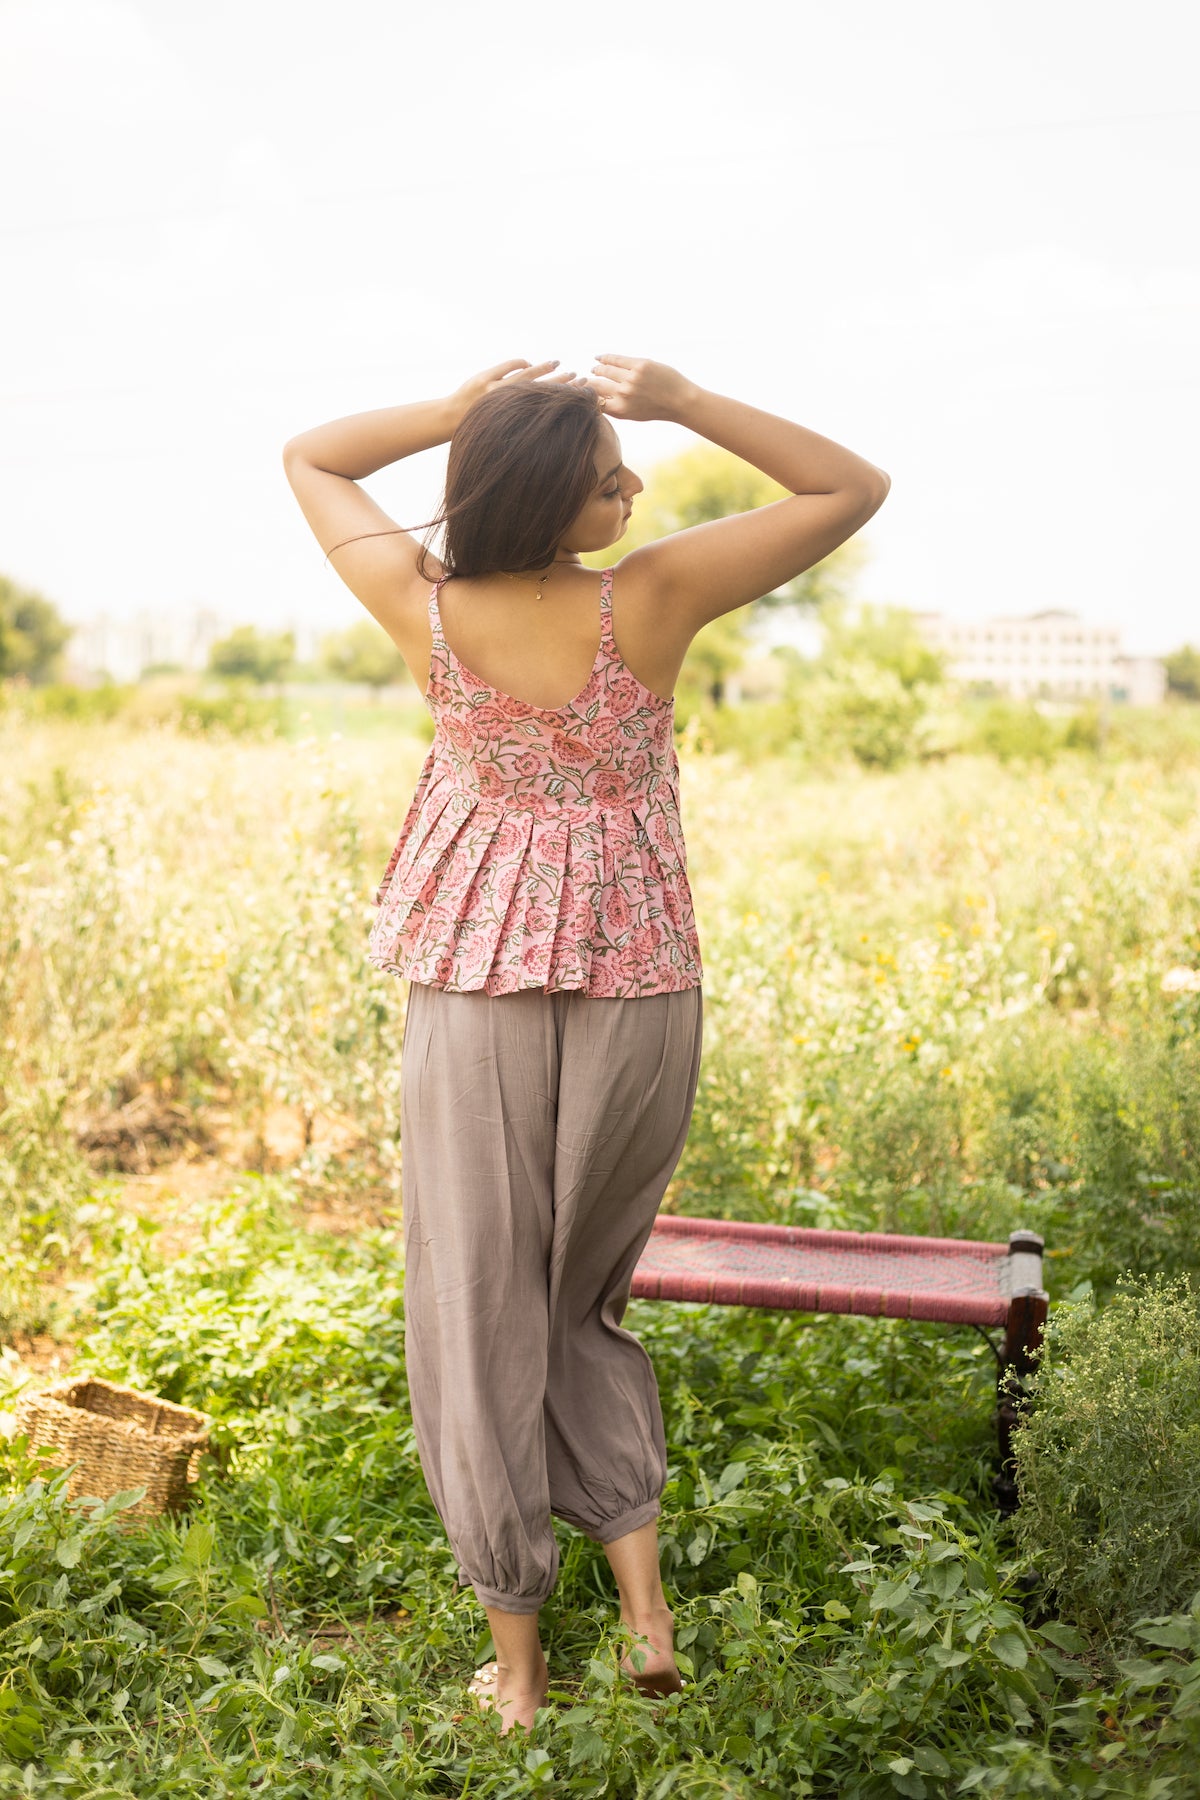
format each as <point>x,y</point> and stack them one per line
<point>520,469</point>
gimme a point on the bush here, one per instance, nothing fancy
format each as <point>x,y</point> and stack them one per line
<point>62,700</point>
<point>1010,732</point>
<point>1108,1457</point>
<point>855,709</point>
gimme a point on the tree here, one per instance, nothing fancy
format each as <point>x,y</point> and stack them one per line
<point>253,655</point>
<point>32,634</point>
<point>706,483</point>
<point>886,636</point>
<point>363,652</point>
<point>1183,672</point>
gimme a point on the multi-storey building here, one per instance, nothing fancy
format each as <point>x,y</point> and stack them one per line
<point>1046,655</point>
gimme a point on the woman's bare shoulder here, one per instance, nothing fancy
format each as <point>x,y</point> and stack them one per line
<point>649,631</point>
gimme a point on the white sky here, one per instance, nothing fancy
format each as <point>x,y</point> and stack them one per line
<point>953,236</point>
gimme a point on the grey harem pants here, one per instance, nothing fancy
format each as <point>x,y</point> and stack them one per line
<point>539,1132</point>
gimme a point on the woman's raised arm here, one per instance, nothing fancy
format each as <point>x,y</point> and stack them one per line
<point>711,569</point>
<point>325,465</point>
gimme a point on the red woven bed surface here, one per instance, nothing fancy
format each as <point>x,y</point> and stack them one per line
<point>729,1262</point>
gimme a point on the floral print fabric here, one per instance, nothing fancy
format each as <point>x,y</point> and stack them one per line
<point>543,846</point>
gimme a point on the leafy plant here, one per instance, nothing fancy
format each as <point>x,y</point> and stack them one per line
<point>1108,1456</point>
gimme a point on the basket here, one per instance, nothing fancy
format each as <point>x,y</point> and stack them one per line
<point>118,1439</point>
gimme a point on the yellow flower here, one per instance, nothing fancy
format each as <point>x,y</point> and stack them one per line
<point>944,931</point>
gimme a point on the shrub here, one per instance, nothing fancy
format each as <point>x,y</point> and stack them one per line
<point>1108,1457</point>
<point>857,709</point>
<point>1010,731</point>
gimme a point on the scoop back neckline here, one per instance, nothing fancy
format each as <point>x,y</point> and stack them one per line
<point>567,705</point>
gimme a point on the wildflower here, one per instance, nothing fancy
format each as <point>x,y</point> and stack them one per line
<point>1181,981</point>
<point>944,931</point>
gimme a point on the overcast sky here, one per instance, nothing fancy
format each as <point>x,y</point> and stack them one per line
<point>961,239</point>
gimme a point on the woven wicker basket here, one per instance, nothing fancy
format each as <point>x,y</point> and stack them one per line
<point>118,1439</point>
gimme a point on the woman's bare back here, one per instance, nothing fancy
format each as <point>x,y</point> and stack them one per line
<point>542,651</point>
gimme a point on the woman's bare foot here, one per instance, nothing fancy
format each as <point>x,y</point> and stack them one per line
<point>494,1688</point>
<point>659,1673</point>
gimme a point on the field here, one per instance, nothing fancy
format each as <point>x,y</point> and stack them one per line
<point>958,998</point>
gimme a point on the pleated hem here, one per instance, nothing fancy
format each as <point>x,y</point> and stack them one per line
<point>480,896</point>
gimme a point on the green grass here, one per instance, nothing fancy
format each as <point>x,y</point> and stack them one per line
<point>934,1000</point>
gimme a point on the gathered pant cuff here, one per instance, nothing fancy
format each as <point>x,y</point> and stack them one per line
<point>623,1523</point>
<point>600,1534</point>
<point>510,1603</point>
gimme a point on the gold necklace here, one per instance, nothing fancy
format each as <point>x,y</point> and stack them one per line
<point>540,579</point>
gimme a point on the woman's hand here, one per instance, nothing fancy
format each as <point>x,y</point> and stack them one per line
<point>635,388</point>
<point>517,370</point>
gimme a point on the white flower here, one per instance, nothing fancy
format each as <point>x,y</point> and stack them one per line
<point>1181,981</point>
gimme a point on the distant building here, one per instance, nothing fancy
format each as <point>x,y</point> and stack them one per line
<point>122,649</point>
<point>1044,656</point>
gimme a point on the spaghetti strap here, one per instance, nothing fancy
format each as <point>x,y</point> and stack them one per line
<point>607,640</point>
<point>435,617</point>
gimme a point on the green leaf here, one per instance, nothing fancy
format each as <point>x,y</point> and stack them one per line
<point>835,1610</point>
<point>118,1502</point>
<point>68,1550</point>
<point>1144,1673</point>
<point>931,1761</point>
<point>248,1604</point>
<point>1172,1634</point>
<point>196,1551</point>
<point>944,1579</point>
<point>731,1476</point>
<point>897,1596</point>
<point>1065,1636</point>
<point>1010,1649</point>
<point>212,1665</point>
<point>1070,1671</point>
<point>333,1663</point>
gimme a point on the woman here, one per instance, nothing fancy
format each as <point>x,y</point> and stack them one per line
<point>538,903</point>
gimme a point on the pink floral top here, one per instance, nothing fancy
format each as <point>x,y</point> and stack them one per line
<point>543,846</point>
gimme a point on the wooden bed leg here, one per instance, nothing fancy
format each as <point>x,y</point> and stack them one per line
<point>1028,1306</point>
